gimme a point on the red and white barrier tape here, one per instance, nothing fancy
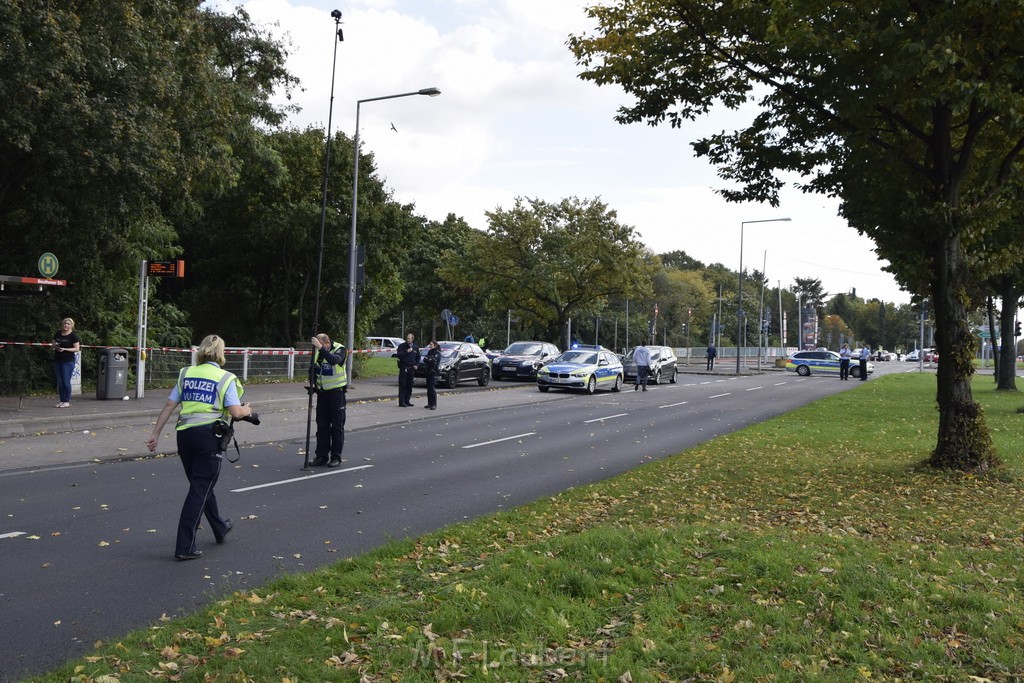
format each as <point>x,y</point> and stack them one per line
<point>169,349</point>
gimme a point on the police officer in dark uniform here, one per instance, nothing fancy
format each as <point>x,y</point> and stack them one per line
<point>408,358</point>
<point>433,364</point>
<point>207,393</point>
<point>331,384</point>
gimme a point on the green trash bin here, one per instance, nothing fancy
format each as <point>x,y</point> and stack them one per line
<point>112,374</point>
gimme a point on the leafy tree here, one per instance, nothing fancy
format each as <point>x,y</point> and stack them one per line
<point>424,294</point>
<point>681,260</point>
<point>906,111</point>
<point>810,291</point>
<point>552,261</point>
<point>118,118</point>
<point>273,216</point>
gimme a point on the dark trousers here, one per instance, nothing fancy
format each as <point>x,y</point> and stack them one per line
<point>330,424</point>
<point>64,372</point>
<point>405,378</point>
<point>711,362</point>
<point>431,389</point>
<point>642,373</point>
<point>863,369</point>
<point>844,368</point>
<point>197,450</point>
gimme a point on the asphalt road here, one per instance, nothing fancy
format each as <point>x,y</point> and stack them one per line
<point>95,558</point>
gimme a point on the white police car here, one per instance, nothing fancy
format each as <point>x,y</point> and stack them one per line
<point>822,361</point>
<point>582,367</point>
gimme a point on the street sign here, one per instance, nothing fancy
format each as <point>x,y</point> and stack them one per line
<point>453,320</point>
<point>165,268</point>
<point>48,265</point>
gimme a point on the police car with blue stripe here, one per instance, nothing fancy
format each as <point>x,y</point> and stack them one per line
<point>821,361</point>
<point>585,367</point>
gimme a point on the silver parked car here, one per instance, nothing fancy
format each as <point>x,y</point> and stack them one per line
<point>663,365</point>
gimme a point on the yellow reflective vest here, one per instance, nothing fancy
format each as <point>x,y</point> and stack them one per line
<point>329,376</point>
<point>202,389</point>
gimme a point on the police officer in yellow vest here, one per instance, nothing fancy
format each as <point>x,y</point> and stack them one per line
<point>331,385</point>
<point>207,393</point>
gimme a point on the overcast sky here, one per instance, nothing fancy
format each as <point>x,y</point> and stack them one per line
<point>515,120</point>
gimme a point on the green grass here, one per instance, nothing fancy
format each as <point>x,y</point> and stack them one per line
<point>789,551</point>
<point>371,367</point>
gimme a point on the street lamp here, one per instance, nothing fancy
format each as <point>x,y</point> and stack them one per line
<point>430,92</point>
<point>739,310</point>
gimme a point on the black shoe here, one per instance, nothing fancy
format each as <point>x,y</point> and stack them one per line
<point>318,462</point>
<point>194,555</point>
<point>645,388</point>
<point>409,405</point>
<point>635,387</point>
<point>334,463</point>
<point>228,526</point>
<point>403,405</point>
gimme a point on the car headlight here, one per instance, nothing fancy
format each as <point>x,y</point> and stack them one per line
<point>580,373</point>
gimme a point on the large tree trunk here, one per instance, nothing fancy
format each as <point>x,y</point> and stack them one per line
<point>1006,369</point>
<point>964,441</point>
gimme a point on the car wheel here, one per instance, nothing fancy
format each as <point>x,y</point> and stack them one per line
<point>542,387</point>
<point>803,370</point>
<point>591,385</point>
<point>672,379</point>
<point>451,378</point>
<point>855,372</point>
<point>656,377</point>
<point>485,377</point>
<point>618,383</point>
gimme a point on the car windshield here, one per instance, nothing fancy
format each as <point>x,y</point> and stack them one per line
<point>524,349</point>
<point>579,357</point>
<point>446,351</point>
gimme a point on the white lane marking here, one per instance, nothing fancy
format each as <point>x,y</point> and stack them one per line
<point>779,384</point>
<point>708,382</point>
<point>602,419</point>
<point>305,478</point>
<point>12,534</point>
<point>673,405</point>
<point>720,395</point>
<point>507,438</point>
<point>754,388</point>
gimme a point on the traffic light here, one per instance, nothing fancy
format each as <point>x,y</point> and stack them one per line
<point>1016,329</point>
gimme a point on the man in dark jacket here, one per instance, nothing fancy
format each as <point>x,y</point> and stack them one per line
<point>712,354</point>
<point>408,358</point>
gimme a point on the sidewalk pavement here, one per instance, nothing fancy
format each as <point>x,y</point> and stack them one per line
<point>35,415</point>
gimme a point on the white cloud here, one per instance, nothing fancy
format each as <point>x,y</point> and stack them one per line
<point>515,120</point>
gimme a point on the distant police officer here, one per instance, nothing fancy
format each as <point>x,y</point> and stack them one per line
<point>433,363</point>
<point>844,362</point>
<point>865,352</point>
<point>331,386</point>
<point>207,394</point>
<point>408,358</point>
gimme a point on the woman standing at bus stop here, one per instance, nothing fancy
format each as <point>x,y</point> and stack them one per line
<point>65,345</point>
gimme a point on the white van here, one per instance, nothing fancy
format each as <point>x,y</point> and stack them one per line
<point>383,347</point>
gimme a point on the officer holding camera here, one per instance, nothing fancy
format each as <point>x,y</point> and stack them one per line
<point>331,381</point>
<point>208,395</point>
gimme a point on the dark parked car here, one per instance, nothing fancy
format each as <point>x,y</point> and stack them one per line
<point>522,359</point>
<point>663,365</point>
<point>460,362</point>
